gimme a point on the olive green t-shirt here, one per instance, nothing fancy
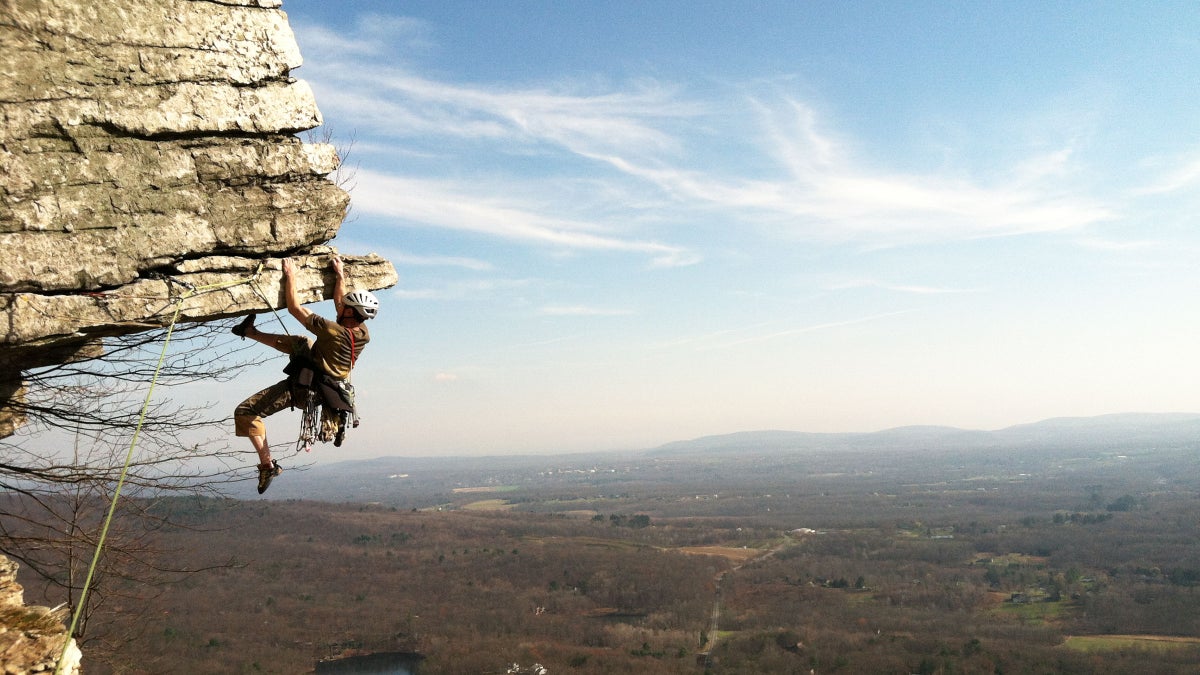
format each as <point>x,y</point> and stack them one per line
<point>332,349</point>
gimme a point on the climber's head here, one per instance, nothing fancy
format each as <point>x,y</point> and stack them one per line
<point>364,303</point>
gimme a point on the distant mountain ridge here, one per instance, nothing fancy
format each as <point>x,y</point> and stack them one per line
<point>420,481</point>
<point>1113,429</point>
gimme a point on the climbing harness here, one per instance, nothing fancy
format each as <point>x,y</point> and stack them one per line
<point>326,403</point>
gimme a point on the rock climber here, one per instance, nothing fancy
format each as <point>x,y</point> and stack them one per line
<point>332,353</point>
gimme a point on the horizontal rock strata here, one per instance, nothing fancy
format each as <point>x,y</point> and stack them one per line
<point>147,148</point>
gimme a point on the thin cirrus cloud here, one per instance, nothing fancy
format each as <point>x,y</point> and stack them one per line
<point>1182,175</point>
<point>374,34</point>
<point>450,205</point>
<point>831,191</point>
<point>462,289</point>
<point>403,257</point>
<point>579,117</point>
<point>808,184</point>
<point>441,261</point>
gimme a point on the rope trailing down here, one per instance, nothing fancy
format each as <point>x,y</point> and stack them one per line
<point>177,301</point>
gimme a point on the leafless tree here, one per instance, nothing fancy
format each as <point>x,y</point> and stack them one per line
<point>59,472</point>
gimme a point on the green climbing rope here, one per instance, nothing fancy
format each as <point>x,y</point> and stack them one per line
<point>112,507</point>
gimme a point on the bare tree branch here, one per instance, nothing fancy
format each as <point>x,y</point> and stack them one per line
<point>58,473</point>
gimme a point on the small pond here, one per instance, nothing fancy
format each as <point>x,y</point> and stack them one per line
<point>382,663</point>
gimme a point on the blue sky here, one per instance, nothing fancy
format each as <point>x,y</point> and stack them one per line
<point>619,224</point>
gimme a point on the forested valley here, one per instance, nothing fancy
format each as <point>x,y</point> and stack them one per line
<point>1054,560</point>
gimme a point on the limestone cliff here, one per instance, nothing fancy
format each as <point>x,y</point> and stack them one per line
<point>31,638</point>
<point>149,164</point>
<point>148,147</point>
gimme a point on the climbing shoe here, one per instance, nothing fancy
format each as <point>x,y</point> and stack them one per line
<point>246,324</point>
<point>266,472</point>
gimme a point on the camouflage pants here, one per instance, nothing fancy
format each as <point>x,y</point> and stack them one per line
<point>248,416</point>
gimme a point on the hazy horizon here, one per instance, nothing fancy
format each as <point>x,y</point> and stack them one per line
<point>325,455</point>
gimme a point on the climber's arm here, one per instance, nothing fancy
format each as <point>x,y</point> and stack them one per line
<point>298,311</point>
<point>339,284</point>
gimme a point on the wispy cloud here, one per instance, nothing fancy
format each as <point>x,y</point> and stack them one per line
<point>374,35</point>
<point>646,135</point>
<point>1181,175</point>
<point>461,289</point>
<point>451,205</point>
<point>396,103</point>
<point>440,261</point>
<point>825,190</point>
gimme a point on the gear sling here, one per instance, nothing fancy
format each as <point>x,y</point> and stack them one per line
<point>336,397</point>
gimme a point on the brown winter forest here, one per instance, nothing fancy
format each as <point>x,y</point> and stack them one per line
<point>1044,560</point>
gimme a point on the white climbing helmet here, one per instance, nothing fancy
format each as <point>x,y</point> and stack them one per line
<point>363,302</point>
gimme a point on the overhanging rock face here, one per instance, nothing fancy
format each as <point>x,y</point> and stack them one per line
<point>147,148</point>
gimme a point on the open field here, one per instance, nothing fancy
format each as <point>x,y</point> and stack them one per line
<point>489,505</point>
<point>1102,643</point>
<point>735,555</point>
<point>479,489</point>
